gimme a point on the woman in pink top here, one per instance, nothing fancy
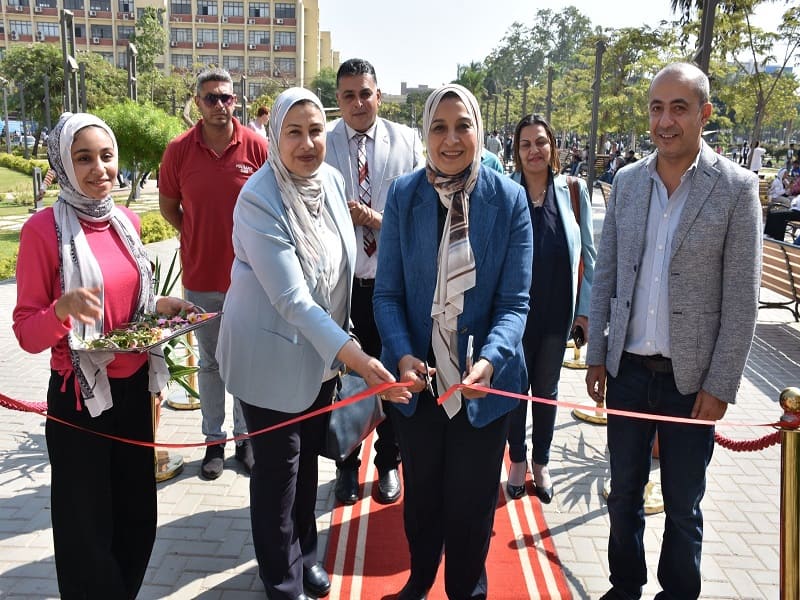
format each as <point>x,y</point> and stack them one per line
<point>82,271</point>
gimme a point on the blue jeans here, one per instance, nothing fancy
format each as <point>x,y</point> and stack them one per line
<point>212,388</point>
<point>543,361</point>
<point>685,451</point>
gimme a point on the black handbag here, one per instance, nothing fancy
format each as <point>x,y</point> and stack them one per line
<point>350,425</point>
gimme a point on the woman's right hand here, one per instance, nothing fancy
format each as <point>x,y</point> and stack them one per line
<point>413,369</point>
<point>372,371</point>
<point>82,304</point>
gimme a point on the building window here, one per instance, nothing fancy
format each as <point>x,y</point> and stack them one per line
<point>258,37</point>
<point>122,60</point>
<point>100,5</point>
<point>107,56</point>
<point>285,67</point>
<point>125,6</point>
<point>181,61</point>
<point>79,31</point>
<point>15,3</point>
<point>284,38</point>
<point>48,30</point>
<point>207,36</point>
<point>102,31</point>
<point>180,35</point>
<point>74,4</point>
<point>233,9</point>
<point>258,64</point>
<point>19,27</point>
<point>254,89</point>
<point>258,9</point>
<point>180,7</point>
<point>207,7</point>
<point>46,4</point>
<point>233,36</point>
<point>284,10</point>
<point>233,63</point>
<point>208,60</point>
<point>124,32</point>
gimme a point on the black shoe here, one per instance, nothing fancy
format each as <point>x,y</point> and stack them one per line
<point>618,594</point>
<point>346,489</point>
<point>545,494</point>
<point>515,492</point>
<point>316,581</point>
<point>412,591</point>
<point>213,461</point>
<point>244,454</point>
<point>389,487</point>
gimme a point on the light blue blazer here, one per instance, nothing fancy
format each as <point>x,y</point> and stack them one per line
<point>276,341</point>
<point>580,239</point>
<point>494,310</point>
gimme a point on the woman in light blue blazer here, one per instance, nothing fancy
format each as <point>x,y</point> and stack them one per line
<point>455,264</point>
<point>284,334</point>
<point>559,295</point>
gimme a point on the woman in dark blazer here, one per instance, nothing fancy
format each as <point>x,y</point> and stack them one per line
<point>558,304</point>
<point>455,263</point>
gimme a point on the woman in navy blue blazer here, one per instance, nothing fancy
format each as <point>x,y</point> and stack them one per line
<point>455,263</point>
<point>558,303</point>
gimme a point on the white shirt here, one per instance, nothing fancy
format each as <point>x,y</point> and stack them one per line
<point>755,163</point>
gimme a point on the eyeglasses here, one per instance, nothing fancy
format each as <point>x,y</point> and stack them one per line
<point>212,99</point>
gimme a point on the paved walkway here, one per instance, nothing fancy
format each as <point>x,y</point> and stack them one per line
<point>203,547</point>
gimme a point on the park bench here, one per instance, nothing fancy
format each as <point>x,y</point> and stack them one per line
<point>605,189</point>
<point>780,273</point>
<point>600,162</point>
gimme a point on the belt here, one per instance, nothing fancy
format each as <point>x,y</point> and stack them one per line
<point>655,363</point>
<point>364,283</point>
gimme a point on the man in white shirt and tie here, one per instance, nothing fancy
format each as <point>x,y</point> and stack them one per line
<point>370,152</point>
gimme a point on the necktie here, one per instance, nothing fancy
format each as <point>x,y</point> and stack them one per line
<point>364,192</point>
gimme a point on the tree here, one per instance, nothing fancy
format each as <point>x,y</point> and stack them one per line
<point>143,132</point>
<point>105,83</point>
<point>150,38</point>
<point>472,77</point>
<point>26,66</point>
<point>324,86</point>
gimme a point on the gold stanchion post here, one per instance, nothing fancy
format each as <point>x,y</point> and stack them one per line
<point>178,398</point>
<point>167,465</point>
<point>790,496</point>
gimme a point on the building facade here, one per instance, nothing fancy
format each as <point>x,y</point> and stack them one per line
<point>264,40</point>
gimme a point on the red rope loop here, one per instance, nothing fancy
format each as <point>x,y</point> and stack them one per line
<point>748,445</point>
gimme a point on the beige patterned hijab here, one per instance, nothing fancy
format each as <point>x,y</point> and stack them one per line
<point>456,272</point>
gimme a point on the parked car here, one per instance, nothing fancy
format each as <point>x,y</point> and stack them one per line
<point>19,141</point>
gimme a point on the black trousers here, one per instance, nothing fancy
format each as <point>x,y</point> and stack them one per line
<point>451,472</point>
<point>283,494</point>
<point>387,450</point>
<point>775,224</point>
<point>103,492</point>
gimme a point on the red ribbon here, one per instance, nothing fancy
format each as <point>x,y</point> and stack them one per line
<point>789,421</point>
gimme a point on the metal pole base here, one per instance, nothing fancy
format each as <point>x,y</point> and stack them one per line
<point>179,400</point>
<point>577,362</point>
<point>597,417</point>
<point>167,465</point>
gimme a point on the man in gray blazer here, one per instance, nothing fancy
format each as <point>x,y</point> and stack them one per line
<point>370,152</point>
<point>673,311</point>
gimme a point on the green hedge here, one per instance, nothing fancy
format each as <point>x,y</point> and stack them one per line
<point>19,164</point>
<point>154,229</point>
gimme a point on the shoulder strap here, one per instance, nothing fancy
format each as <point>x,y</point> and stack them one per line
<point>574,195</point>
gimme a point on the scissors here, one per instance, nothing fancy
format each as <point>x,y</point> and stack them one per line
<point>428,380</point>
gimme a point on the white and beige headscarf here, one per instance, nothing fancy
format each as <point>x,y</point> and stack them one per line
<point>456,273</point>
<point>303,198</point>
<point>79,267</point>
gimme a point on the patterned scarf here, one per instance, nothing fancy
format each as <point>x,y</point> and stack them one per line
<point>303,199</point>
<point>79,267</point>
<point>456,271</point>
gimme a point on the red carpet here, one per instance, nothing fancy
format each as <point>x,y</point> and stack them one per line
<point>368,555</point>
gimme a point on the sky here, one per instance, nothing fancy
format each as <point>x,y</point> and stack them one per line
<point>424,41</point>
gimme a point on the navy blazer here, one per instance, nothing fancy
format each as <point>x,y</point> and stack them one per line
<point>495,310</point>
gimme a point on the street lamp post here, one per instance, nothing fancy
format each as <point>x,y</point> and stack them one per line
<point>67,24</point>
<point>4,83</point>
<point>132,84</point>
<point>508,96</point>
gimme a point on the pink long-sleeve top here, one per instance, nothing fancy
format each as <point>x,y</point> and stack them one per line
<point>39,286</point>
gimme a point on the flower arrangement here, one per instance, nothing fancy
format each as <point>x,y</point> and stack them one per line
<point>151,330</point>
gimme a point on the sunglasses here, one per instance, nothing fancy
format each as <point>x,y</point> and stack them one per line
<point>212,99</point>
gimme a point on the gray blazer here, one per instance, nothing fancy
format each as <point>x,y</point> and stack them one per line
<point>398,150</point>
<point>275,340</point>
<point>714,274</point>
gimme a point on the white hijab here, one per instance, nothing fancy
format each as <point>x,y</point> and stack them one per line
<point>303,198</point>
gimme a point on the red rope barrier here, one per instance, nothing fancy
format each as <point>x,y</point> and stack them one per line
<point>748,445</point>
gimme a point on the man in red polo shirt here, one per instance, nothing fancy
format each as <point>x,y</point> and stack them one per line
<point>201,174</point>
